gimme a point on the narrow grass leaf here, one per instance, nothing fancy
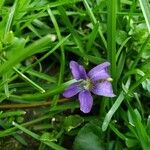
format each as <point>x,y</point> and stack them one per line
<point>49,52</point>
<point>145,6</point>
<point>37,137</point>
<point>12,130</point>
<point>121,48</point>
<point>143,137</point>
<point>10,18</point>
<point>94,21</point>
<point>12,113</point>
<point>92,37</point>
<point>62,2</point>
<point>62,60</point>
<point>32,83</point>
<point>20,139</point>
<point>112,110</point>
<point>71,28</point>
<point>42,96</point>
<point>111,35</point>
<point>6,89</point>
<point>33,29</point>
<point>41,59</point>
<point>26,52</point>
<point>40,75</point>
<point>120,66</point>
<point>116,131</point>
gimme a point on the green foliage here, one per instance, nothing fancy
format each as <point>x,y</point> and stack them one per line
<point>38,39</point>
<point>89,137</point>
<point>72,122</point>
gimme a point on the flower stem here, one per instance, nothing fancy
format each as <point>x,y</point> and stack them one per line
<point>12,106</point>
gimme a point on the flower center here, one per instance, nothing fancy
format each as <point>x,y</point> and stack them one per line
<point>87,84</point>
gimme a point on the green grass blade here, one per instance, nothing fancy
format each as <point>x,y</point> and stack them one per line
<point>121,47</point>
<point>12,113</point>
<point>71,28</point>
<point>62,2</point>
<point>12,130</point>
<point>92,37</point>
<point>111,35</point>
<point>32,83</point>
<point>119,100</point>
<point>50,52</point>
<point>6,88</point>
<point>40,75</point>
<point>24,53</point>
<point>112,111</point>
<point>116,131</point>
<point>145,6</point>
<point>42,96</point>
<point>142,135</point>
<point>42,58</point>
<point>33,29</point>
<point>25,78</point>
<point>94,21</point>
<point>62,60</point>
<point>10,18</point>
<point>37,137</point>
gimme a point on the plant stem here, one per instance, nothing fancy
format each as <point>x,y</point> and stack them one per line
<point>12,106</point>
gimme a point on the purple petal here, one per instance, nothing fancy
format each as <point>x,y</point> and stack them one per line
<point>104,88</point>
<point>77,70</point>
<point>99,72</point>
<point>86,101</point>
<point>72,90</point>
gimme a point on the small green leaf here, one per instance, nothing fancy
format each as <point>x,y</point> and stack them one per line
<point>9,37</point>
<point>48,137</point>
<point>131,142</point>
<point>146,85</point>
<point>121,36</point>
<point>89,137</point>
<point>72,122</point>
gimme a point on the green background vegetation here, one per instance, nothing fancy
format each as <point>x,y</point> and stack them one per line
<point>38,38</point>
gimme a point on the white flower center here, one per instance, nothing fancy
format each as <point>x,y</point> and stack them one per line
<point>87,84</point>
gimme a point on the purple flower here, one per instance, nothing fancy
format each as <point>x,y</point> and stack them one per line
<point>97,81</point>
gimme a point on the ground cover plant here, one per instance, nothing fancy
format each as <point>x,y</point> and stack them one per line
<point>74,74</point>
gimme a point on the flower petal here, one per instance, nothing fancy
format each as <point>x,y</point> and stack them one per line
<point>77,70</point>
<point>104,89</point>
<point>99,72</point>
<point>72,90</point>
<point>86,101</point>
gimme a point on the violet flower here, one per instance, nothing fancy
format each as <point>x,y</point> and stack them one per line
<point>97,81</point>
